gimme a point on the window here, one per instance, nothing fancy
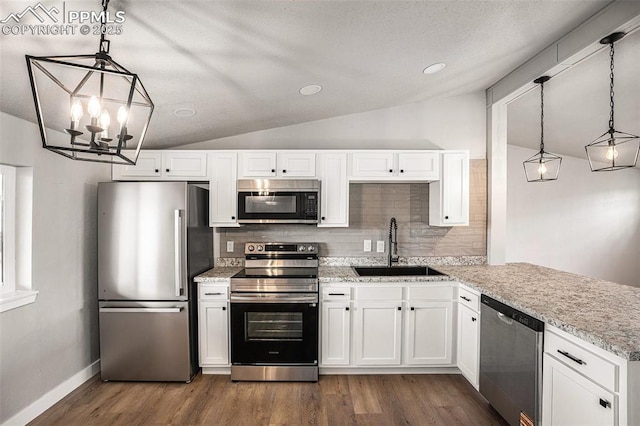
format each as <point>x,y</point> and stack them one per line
<point>16,189</point>
<point>7,228</point>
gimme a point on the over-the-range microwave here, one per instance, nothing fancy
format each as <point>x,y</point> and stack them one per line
<point>278,200</point>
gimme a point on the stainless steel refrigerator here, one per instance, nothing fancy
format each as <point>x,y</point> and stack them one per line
<point>153,238</point>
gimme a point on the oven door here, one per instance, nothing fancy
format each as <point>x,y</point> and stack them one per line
<point>277,207</point>
<point>274,329</point>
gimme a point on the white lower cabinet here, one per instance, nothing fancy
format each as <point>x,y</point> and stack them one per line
<point>214,333</point>
<point>585,385</point>
<point>377,329</point>
<point>336,333</point>
<point>428,332</point>
<point>571,399</point>
<point>386,325</point>
<point>468,344</point>
<point>213,325</point>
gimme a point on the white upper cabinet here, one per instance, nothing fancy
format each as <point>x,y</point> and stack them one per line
<point>390,166</point>
<point>261,164</point>
<point>223,197</point>
<point>334,190</point>
<point>449,197</point>
<point>164,165</point>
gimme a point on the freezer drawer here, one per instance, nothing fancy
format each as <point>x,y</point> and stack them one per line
<point>145,341</point>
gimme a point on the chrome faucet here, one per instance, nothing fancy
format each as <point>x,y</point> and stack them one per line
<point>393,242</point>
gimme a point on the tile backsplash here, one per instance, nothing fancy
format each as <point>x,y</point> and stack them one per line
<point>371,205</point>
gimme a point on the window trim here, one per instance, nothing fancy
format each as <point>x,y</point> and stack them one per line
<point>16,288</point>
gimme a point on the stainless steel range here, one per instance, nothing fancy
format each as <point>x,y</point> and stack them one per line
<point>274,313</point>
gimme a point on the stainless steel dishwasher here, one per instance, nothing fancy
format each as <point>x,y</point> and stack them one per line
<point>511,362</point>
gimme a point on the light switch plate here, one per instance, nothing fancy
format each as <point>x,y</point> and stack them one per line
<point>367,245</point>
<point>380,247</point>
<point>229,246</point>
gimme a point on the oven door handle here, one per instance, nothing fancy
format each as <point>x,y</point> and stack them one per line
<point>274,298</point>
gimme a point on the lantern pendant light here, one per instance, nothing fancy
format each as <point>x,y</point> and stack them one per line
<point>544,166</point>
<point>77,96</point>
<point>613,150</point>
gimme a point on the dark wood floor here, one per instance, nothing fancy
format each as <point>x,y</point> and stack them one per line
<point>335,400</point>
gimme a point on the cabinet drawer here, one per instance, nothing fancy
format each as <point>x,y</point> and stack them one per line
<point>213,292</point>
<point>379,293</point>
<point>582,360</point>
<point>336,293</point>
<point>430,292</point>
<point>469,298</point>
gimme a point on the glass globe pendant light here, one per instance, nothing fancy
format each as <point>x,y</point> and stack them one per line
<point>544,166</point>
<point>613,150</point>
<point>77,96</point>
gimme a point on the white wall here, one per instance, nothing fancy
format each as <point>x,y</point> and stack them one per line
<point>451,123</point>
<point>587,223</point>
<point>45,343</point>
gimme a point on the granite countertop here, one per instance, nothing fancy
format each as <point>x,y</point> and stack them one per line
<point>217,274</point>
<point>600,312</point>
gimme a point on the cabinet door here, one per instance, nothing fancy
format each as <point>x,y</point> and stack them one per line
<point>257,164</point>
<point>468,343</point>
<point>222,190</point>
<point>449,198</point>
<point>372,164</point>
<point>214,333</point>
<point>297,164</point>
<point>378,327</point>
<point>184,164</point>
<point>334,190</point>
<point>419,165</point>
<point>148,165</point>
<point>571,399</point>
<point>336,333</point>
<point>429,332</point>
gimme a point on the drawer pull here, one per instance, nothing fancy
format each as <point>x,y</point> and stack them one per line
<point>336,294</point>
<point>571,357</point>
<point>213,294</point>
<point>465,298</point>
<point>224,308</point>
<point>605,403</point>
<point>413,309</point>
<point>399,308</point>
<point>346,309</point>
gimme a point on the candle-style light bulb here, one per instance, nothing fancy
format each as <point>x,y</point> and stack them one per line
<point>94,107</point>
<point>105,121</point>
<point>76,113</point>
<point>542,169</point>
<point>612,153</point>
<point>122,115</point>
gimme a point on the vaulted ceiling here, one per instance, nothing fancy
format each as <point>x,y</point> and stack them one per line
<point>240,64</point>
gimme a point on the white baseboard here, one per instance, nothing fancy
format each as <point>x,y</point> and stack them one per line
<point>47,400</point>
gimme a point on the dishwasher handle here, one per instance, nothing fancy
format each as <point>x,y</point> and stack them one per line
<point>140,310</point>
<point>505,319</point>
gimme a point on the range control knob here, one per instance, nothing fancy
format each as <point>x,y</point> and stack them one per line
<point>302,248</point>
<point>260,248</point>
<point>250,247</point>
<point>311,248</point>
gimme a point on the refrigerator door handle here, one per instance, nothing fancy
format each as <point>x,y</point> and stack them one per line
<point>140,310</point>
<point>178,251</point>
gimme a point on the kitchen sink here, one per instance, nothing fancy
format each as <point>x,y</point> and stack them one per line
<point>394,271</point>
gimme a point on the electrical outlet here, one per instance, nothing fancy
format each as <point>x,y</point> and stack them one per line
<point>229,246</point>
<point>380,247</point>
<point>367,245</point>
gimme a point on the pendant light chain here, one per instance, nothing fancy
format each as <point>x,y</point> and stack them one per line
<point>611,93</point>
<point>541,117</point>
<point>104,43</point>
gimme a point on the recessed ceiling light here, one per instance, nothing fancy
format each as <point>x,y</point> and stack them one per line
<point>311,89</point>
<point>184,112</point>
<point>434,68</point>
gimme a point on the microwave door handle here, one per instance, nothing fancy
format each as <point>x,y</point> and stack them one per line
<point>178,252</point>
